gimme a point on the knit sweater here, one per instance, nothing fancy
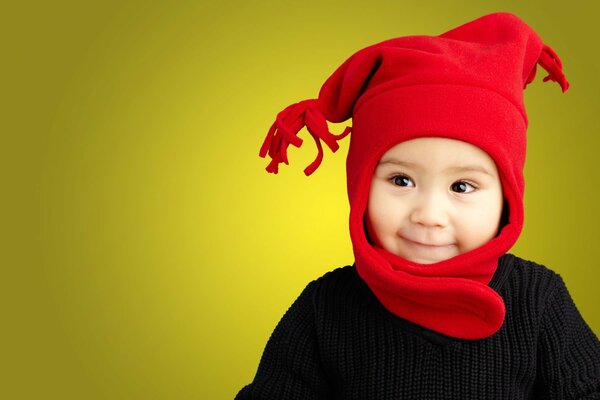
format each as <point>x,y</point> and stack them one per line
<point>338,342</point>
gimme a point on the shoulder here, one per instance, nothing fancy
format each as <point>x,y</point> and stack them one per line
<point>522,265</point>
<point>317,295</point>
<point>338,279</point>
<point>337,275</point>
<point>336,287</point>
<point>529,281</point>
<point>521,270</point>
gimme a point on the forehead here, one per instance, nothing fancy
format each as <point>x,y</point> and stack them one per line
<point>437,153</point>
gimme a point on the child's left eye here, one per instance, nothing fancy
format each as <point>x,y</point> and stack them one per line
<point>462,187</point>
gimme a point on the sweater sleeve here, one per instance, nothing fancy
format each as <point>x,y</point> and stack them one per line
<point>568,350</point>
<point>290,367</point>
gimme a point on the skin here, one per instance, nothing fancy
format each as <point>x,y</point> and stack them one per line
<point>432,199</point>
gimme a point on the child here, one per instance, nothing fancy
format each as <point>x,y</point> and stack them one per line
<point>433,307</point>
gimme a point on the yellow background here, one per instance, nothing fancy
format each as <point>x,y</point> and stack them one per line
<point>147,254</point>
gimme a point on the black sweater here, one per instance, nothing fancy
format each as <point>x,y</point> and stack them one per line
<point>338,342</point>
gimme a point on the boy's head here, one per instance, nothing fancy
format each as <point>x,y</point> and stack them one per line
<point>435,164</point>
<point>433,198</point>
<point>466,84</point>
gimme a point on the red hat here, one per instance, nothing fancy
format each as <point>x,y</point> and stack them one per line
<point>466,84</point>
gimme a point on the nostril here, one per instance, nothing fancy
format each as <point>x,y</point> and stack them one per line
<point>429,217</point>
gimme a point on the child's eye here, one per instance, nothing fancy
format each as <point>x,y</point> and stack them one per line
<point>402,180</point>
<point>462,187</point>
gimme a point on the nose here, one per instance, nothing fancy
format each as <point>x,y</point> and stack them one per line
<point>430,210</point>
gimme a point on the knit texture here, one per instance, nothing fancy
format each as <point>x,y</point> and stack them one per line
<point>338,342</point>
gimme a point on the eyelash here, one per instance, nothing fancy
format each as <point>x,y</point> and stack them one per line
<point>466,182</point>
<point>399,176</point>
<point>461,181</point>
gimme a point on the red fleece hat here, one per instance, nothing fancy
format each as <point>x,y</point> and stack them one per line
<point>466,84</point>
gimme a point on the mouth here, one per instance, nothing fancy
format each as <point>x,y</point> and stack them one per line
<point>427,252</point>
<point>427,245</point>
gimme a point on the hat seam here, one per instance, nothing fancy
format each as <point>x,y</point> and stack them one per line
<point>366,97</point>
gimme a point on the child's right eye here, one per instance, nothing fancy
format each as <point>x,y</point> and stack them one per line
<point>402,180</point>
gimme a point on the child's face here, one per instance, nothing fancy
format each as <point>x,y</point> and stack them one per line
<point>434,198</point>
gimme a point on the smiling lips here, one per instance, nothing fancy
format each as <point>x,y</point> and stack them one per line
<point>426,253</point>
<point>426,245</point>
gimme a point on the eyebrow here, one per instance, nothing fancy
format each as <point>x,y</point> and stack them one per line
<point>471,168</point>
<point>416,166</point>
<point>401,163</point>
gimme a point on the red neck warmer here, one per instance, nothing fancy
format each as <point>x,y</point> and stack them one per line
<point>466,84</point>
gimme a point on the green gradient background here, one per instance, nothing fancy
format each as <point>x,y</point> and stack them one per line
<point>147,253</point>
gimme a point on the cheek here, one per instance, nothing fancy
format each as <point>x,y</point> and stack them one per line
<point>480,224</point>
<point>375,223</point>
<point>382,215</point>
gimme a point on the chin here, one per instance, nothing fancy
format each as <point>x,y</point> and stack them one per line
<point>427,259</point>
<point>424,260</point>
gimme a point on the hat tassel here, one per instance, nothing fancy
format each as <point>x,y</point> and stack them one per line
<point>550,61</point>
<point>284,132</point>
